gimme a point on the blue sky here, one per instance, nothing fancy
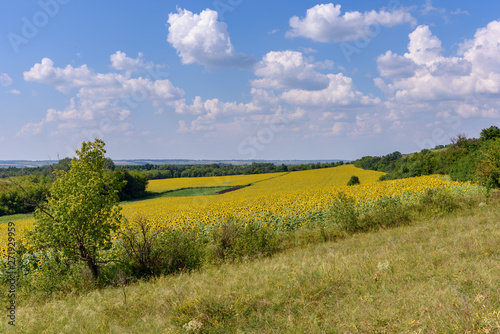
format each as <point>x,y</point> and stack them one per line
<point>241,79</point>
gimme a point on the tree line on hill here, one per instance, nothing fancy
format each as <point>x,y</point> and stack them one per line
<point>465,159</point>
<point>166,171</point>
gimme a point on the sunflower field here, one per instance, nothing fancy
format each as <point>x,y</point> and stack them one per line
<point>277,200</point>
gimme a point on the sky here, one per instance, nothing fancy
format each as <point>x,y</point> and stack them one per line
<point>245,79</point>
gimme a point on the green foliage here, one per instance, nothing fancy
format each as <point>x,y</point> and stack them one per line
<point>81,212</point>
<point>490,133</point>
<point>353,181</point>
<point>458,159</point>
<point>135,184</point>
<point>388,212</point>
<point>344,213</point>
<point>20,194</point>
<point>147,250</point>
<point>438,200</point>
<point>233,240</point>
<point>489,168</point>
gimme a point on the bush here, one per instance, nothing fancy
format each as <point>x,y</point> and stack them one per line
<point>234,240</point>
<point>438,200</point>
<point>147,250</point>
<point>388,212</point>
<point>489,169</point>
<point>344,214</point>
<point>353,181</point>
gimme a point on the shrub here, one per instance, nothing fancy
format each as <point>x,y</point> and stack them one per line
<point>388,212</point>
<point>344,213</point>
<point>437,200</point>
<point>353,181</point>
<point>489,169</point>
<point>233,240</point>
<point>146,250</point>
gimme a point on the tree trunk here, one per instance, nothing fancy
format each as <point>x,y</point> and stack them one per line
<point>94,268</point>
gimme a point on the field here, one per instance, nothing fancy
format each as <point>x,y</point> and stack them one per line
<point>276,201</point>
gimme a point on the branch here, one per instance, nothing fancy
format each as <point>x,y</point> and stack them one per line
<point>35,203</point>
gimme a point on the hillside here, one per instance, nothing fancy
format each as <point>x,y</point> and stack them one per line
<point>437,275</point>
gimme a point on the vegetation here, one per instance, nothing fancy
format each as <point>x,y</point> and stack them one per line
<point>81,211</point>
<point>461,160</point>
<point>175,171</point>
<point>353,180</point>
<point>434,275</point>
<point>19,194</point>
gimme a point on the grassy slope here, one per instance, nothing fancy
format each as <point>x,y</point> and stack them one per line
<point>437,276</point>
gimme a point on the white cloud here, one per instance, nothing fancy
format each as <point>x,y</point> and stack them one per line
<point>367,124</point>
<point>391,65</point>
<point>428,7</point>
<point>288,69</point>
<point>210,112</point>
<point>324,23</point>
<point>424,47</point>
<point>5,79</point>
<point>201,38</point>
<point>340,92</point>
<point>474,72</point>
<point>30,129</point>
<point>100,97</point>
<point>66,78</point>
<point>120,61</point>
<point>337,128</point>
<point>14,91</point>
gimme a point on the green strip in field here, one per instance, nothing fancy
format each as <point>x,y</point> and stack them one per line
<point>202,191</point>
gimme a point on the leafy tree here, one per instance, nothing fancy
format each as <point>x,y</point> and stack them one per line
<point>353,180</point>
<point>81,212</point>
<point>490,133</point>
<point>134,186</point>
<point>489,169</point>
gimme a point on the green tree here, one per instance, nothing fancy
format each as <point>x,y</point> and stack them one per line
<point>353,180</point>
<point>490,133</point>
<point>81,212</point>
<point>489,169</point>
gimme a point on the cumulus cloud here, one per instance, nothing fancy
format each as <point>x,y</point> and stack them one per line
<point>66,78</point>
<point>14,91</point>
<point>340,92</point>
<point>120,62</point>
<point>424,48</point>
<point>30,129</point>
<point>326,23</point>
<point>5,79</point>
<point>100,96</point>
<point>433,77</point>
<point>286,70</point>
<point>391,65</point>
<point>201,38</point>
<point>209,112</point>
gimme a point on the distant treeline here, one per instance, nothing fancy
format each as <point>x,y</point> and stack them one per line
<point>463,159</point>
<point>21,188</point>
<point>174,171</point>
